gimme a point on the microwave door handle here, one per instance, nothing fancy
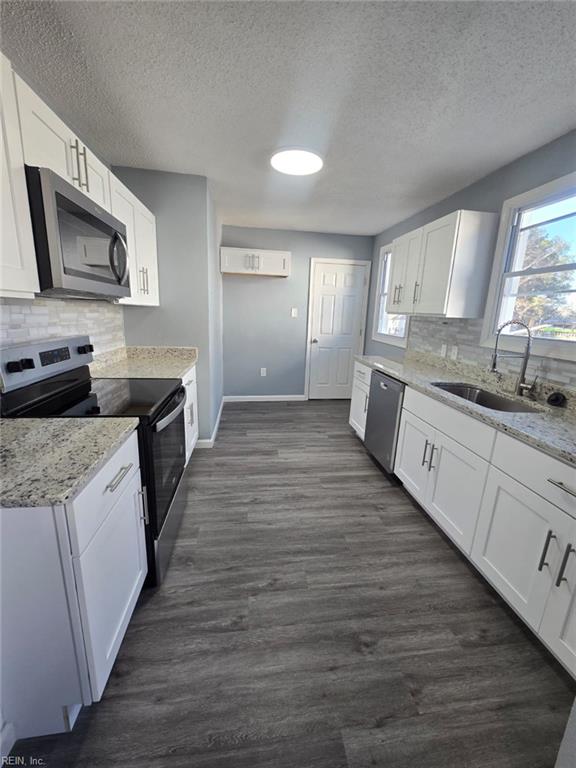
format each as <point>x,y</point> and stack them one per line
<point>167,420</point>
<point>117,237</point>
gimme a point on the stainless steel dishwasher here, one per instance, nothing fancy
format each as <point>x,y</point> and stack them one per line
<point>383,418</point>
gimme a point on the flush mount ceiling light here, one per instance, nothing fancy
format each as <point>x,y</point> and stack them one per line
<point>296,162</point>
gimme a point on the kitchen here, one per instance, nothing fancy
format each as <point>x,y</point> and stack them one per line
<point>288,433</point>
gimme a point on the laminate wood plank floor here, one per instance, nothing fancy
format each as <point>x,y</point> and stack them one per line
<point>314,617</point>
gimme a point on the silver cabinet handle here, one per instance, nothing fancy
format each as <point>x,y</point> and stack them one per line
<point>115,482</point>
<point>141,281</point>
<point>430,467</point>
<point>394,299</point>
<point>85,156</point>
<point>400,288</point>
<point>549,536</point>
<point>143,495</point>
<point>257,259</point>
<point>248,261</point>
<point>426,444</point>
<point>365,403</point>
<point>146,281</point>
<point>562,571</point>
<point>562,486</point>
<point>75,147</point>
<point>415,294</point>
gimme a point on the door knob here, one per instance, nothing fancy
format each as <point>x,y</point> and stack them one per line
<point>314,341</point>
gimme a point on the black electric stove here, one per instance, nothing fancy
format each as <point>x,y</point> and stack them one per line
<point>50,379</point>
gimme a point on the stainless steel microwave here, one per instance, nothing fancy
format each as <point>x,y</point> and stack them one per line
<point>80,248</point>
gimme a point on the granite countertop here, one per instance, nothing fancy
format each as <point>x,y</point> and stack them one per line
<point>46,462</point>
<point>144,363</point>
<point>552,430</point>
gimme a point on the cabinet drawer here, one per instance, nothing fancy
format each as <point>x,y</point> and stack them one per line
<point>91,507</point>
<point>464,429</point>
<point>189,376</point>
<point>537,471</point>
<point>362,373</point>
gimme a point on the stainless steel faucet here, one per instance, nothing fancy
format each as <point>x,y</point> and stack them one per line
<point>521,386</point>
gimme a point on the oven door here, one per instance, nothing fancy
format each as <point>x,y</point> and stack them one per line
<point>80,247</point>
<point>167,458</point>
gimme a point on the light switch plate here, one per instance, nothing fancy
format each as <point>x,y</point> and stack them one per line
<point>454,352</point>
<point>262,371</point>
<point>443,349</point>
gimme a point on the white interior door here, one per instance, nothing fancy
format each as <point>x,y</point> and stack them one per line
<point>339,291</point>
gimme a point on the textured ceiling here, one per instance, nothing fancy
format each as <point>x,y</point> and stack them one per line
<point>408,102</point>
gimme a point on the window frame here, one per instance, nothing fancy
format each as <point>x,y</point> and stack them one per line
<point>547,193</point>
<point>385,338</point>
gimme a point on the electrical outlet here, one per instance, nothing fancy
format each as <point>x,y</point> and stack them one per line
<point>262,371</point>
<point>443,350</point>
<point>294,312</point>
<point>454,352</point>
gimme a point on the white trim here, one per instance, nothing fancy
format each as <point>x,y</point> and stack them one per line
<point>385,338</point>
<point>263,398</point>
<point>563,350</point>
<point>209,442</point>
<point>356,262</point>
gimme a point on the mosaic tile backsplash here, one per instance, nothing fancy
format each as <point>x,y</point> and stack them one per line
<point>23,320</point>
<point>428,334</point>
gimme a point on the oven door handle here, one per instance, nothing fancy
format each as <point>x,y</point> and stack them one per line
<point>167,420</point>
<point>120,276</point>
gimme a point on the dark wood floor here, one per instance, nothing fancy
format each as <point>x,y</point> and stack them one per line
<point>313,617</point>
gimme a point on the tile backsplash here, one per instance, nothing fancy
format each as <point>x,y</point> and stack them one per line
<point>428,334</point>
<point>23,320</point>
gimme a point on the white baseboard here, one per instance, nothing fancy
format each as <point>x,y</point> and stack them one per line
<point>262,398</point>
<point>7,740</point>
<point>209,442</point>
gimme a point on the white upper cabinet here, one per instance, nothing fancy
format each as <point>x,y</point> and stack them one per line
<point>141,241</point>
<point>444,267</point>
<point>244,261</point>
<point>18,270</point>
<point>48,142</point>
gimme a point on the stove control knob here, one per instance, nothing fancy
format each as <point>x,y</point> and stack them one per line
<point>27,363</point>
<point>85,349</point>
<point>14,366</point>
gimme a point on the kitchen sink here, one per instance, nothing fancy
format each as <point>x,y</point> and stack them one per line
<point>484,398</point>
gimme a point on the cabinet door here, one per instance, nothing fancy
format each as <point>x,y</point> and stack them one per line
<point>457,479</point>
<point>435,265</point>
<point>109,576</point>
<point>359,408</point>
<point>558,627</point>
<point>18,269</point>
<point>413,454</point>
<point>47,141</point>
<point>404,271</point>
<point>147,255</point>
<point>123,207</point>
<point>513,545</point>
<point>96,180</point>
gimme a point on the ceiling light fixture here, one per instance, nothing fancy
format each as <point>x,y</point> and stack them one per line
<point>296,162</point>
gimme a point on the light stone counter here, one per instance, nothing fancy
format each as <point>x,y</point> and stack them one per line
<point>144,363</point>
<point>46,462</point>
<point>552,430</point>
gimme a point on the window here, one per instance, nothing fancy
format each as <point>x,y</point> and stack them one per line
<point>535,271</point>
<point>391,329</point>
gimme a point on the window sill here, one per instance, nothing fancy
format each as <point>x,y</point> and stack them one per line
<point>394,341</point>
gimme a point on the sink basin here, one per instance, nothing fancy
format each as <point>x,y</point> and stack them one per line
<point>484,398</point>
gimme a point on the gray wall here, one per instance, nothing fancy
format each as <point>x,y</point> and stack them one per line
<point>544,164</point>
<point>258,329</point>
<point>187,247</point>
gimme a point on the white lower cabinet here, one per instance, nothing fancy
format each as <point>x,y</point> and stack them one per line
<point>359,399</point>
<point>558,627</point>
<point>70,578</point>
<point>190,412</point>
<point>443,475</point>
<point>512,547</point>
<point>107,595</point>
